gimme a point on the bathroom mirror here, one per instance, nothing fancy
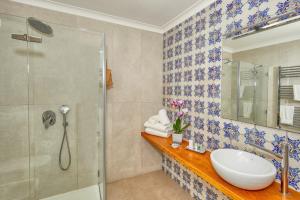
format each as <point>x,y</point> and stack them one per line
<point>261,77</point>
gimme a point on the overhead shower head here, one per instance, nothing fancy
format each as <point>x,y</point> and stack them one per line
<point>40,26</point>
<point>64,109</point>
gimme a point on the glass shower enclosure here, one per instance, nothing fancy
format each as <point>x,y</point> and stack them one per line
<point>48,151</point>
<point>246,92</point>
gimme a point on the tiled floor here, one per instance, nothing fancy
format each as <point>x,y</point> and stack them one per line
<point>151,186</point>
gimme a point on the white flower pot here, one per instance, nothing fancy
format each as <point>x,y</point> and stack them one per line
<point>177,138</point>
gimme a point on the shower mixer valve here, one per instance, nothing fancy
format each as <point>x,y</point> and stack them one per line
<point>49,118</point>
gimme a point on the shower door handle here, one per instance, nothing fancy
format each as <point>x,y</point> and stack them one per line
<point>26,37</point>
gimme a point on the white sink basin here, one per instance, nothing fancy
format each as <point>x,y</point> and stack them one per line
<point>242,169</point>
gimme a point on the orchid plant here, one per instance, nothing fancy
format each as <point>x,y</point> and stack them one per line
<point>178,126</point>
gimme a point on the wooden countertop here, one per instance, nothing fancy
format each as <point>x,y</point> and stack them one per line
<point>200,164</point>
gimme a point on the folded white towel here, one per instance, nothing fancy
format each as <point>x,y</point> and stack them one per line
<point>287,114</point>
<point>163,117</point>
<point>247,109</point>
<point>157,126</point>
<point>157,133</point>
<point>154,119</point>
<point>296,90</point>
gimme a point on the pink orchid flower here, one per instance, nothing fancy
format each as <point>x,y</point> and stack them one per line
<point>180,114</point>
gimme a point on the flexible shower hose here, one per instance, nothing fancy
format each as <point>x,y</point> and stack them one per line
<point>65,138</point>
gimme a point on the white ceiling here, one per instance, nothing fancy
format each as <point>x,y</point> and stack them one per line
<point>153,15</point>
<point>155,12</point>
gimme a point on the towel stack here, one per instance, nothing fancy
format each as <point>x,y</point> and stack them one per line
<point>159,124</point>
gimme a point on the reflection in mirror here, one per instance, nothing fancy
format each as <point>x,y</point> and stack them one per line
<point>229,83</point>
<point>261,77</point>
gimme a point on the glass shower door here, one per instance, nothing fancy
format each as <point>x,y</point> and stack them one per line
<point>246,92</point>
<point>229,81</point>
<point>45,155</point>
<point>102,122</point>
<point>66,69</point>
<point>14,140</point>
<point>261,95</point>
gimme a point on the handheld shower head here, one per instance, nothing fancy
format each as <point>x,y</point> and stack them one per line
<point>64,109</point>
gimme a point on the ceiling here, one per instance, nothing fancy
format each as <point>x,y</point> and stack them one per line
<point>155,12</point>
<point>152,15</point>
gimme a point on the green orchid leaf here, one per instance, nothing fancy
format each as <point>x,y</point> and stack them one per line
<point>186,126</point>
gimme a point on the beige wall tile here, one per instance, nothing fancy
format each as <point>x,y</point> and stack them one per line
<point>124,156</point>
<point>151,158</point>
<point>14,145</point>
<point>126,65</point>
<point>87,144</point>
<point>13,76</point>
<point>126,116</point>
<point>15,191</point>
<point>151,59</point>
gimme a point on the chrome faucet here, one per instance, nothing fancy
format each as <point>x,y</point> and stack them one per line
<point>284,164</point>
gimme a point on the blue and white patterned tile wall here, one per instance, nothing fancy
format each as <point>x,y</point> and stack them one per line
<point>192,72</point>
<point>191,183</point>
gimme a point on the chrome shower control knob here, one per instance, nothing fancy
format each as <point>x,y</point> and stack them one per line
<point>49,118</point>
